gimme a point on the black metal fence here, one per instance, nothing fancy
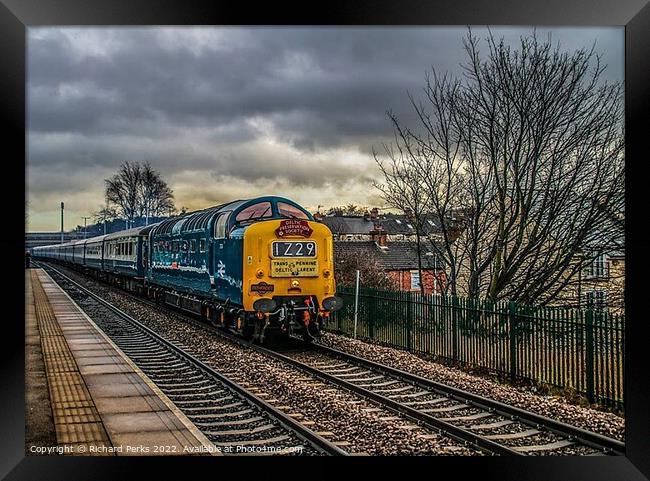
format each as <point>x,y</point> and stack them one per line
<point>566,348</point>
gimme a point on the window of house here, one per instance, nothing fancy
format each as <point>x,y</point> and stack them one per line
<point>415,280</point>
<point>598,267</point>
<point>596,299</point>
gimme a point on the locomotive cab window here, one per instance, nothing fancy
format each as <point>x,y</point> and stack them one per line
<point>255,211</point>
<point>291,211</point>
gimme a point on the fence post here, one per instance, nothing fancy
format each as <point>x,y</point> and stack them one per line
<point>589,353</point>
<point>454,328</point>
<point>512,318</point>
<point>356,305</point>
<point>371,300</point>
<point>409,319</point>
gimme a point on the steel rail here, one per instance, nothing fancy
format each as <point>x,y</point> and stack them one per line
<point>588,438</point>
<point>304,433</point>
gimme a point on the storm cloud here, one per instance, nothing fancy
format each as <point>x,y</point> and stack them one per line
<point>230,112</point>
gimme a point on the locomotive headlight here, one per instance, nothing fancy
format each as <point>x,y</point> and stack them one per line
<point>295,284</point>
<point>259,273</point>
<point>332,303</point>
<point>265,305</point>
<point>327,273</point>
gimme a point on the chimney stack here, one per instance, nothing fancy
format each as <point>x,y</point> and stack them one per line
<point>378,234</point>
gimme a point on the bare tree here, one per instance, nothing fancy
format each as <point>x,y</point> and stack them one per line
<point>524,153</point>
<point>105,214</point>
<point>138,191</point>
<point>349,209</point>
<point>123,190</point>
<point>371,274</point>
<point>404,189</point>
<point>155,195</point>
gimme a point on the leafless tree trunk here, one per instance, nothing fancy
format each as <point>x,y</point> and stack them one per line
<point>525,153</point>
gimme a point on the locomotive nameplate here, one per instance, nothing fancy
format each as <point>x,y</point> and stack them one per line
<point>294,268</point>
<point>293,227</point>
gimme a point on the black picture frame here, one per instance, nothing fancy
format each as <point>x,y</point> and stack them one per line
<point>17,15</point>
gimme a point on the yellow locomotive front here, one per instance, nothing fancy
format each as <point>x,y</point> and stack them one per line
<point>288,276</point>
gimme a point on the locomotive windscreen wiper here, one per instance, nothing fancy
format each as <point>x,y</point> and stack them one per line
<point>263,213</point>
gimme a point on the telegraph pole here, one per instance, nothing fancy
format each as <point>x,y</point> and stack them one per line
<point>61,222</point>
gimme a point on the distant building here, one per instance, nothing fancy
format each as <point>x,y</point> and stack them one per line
<point>600,285</point>
<point>35,239</point>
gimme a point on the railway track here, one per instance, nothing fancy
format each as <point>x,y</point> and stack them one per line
<point>489,425</point>
<point>232,417</point>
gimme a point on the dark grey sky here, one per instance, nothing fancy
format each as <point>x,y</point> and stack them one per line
<point>226,113</point>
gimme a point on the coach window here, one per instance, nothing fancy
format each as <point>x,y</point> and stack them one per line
<point>202,245</point>
<point>192,245</point>
<point>220,226</point>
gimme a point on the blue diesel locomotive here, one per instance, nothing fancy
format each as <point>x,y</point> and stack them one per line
<point>250,265</point>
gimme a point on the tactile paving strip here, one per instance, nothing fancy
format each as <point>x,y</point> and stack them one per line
<point>76,419</point>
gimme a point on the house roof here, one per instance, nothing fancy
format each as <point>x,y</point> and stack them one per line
<point>392,224</point>
<point>396,256</point>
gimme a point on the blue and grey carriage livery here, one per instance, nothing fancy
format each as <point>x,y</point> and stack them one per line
<point>248,265</point>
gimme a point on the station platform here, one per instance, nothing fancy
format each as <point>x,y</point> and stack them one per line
<point>101,403</point>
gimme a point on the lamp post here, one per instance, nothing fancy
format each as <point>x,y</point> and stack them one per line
<point>85,218</point>
<point>61,222</point>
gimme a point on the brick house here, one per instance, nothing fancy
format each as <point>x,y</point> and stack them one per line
<point>391,240</point>
<point>400,262</point>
